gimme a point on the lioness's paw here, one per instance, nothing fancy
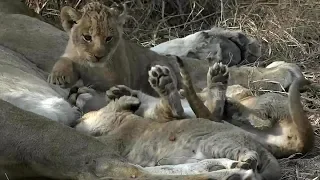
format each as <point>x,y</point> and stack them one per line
<point>250,160</point>
<point>160,80</point>
<point>78,96</point>
<point>222,162</point>
<point>218,74</point>
<point>118,91</point>
<point>242,165</point>
<point>130,103</point>
<point>62,74</point>
<point>244,175</point>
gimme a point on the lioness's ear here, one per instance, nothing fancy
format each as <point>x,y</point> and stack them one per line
<point>69,16</point>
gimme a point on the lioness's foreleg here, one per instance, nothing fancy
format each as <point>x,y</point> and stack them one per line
<point>195,102</point>
<point>149,106</point>
<point>210,102</point>
<point>163,109</point>
<point>161,81</point>
<point>230,169</point>
<point>87,99</point>
<point>214,95</point>
<point>203,166</point>
<point>217,83</point>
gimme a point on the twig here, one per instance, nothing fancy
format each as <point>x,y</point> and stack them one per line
<point>79,1</point>
<point>6,176</point>
<point>222,12</point>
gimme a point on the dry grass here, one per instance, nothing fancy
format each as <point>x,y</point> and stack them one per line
<point>287,29</point>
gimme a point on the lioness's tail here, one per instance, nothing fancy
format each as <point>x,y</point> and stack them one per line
<point>298,116</point>
<point>196,104</point>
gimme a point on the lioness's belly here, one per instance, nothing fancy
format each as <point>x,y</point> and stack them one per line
<point>183,141</point>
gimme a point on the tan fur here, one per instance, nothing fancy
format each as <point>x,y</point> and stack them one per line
<point>104,64</point>
<point>24,85</point>
<point>281,120</point>
<point>267,117</point>
<point>277,122</point>
<point>35,147</point>
<point>163,109</point>
<point>148,143</point>
<point>195,102</point>
<point>32,145</point>
<point>137,137</point>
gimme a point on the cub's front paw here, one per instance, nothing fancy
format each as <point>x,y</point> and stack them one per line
<point>118,91</point>
<point>161,81</point>
<point>218,74</point>
<point>62,74</point>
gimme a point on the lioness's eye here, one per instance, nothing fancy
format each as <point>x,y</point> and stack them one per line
<point>109,38</point>
<point>87,38</point>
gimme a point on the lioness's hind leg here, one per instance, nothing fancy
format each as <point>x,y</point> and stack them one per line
<point>161,81</point>
<point>217,83</point>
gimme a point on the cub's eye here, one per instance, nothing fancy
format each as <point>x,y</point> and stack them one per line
<point>87,38</point>
<point>109,38</point>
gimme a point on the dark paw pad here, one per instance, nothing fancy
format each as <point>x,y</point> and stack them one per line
<point>120,90</point>
<point>160,79</point>
<point>218,73</point>
<point>251,158</point>
<point>76,91</point>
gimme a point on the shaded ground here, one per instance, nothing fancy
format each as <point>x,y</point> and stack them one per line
<point>306,167</point>
<point>288,31</point>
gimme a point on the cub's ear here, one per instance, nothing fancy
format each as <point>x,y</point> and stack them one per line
<point>69,16</point>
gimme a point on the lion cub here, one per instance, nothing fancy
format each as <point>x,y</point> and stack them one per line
<point>98,54</point>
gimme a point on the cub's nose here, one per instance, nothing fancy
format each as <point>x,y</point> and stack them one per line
<point>98,57</point>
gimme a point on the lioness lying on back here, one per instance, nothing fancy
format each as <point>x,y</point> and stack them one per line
<point>276,121</point>
<point>31,149</point>
<point>97,53</point>
<point>149,143</point>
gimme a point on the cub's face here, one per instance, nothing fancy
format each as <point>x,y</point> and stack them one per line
<point>95,32</point>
